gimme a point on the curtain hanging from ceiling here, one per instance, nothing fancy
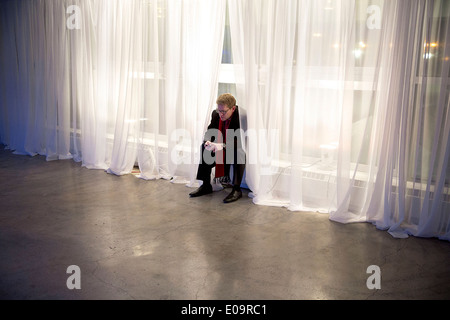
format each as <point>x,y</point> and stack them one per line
<point>349,103</point>
<point>111,83</point>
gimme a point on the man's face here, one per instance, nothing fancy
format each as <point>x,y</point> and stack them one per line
<point>225,113</point>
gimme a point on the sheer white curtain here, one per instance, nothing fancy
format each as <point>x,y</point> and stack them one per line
<point>349,100</point>
<point>405,189</point>
<point>111,83</point>
<point>202,33</point>
<point>294,68</point>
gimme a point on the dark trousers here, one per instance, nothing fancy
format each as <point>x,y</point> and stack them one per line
<point>204,168</point>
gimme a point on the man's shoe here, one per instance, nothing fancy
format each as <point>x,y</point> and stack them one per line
<point>233,196</point>
<point>201,191</point>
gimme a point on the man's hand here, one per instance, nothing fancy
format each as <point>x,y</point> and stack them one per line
<point>211,146</point>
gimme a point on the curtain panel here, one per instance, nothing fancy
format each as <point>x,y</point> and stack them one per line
<point>111,83</point>
<point>353,96</point>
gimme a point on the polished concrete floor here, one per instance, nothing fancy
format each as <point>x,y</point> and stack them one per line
<point>137,239</point>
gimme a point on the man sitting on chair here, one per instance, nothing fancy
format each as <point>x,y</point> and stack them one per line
<point>222,148</point>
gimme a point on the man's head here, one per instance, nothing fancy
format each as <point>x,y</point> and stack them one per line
<point>226,104</point>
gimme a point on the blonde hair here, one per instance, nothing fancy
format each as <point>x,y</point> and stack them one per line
<point>227,99</point>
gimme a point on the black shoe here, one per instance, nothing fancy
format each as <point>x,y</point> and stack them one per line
<point>201,191</point>
<point>233,196</point>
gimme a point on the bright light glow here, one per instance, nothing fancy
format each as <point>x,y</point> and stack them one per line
<point>336,45</point>
<point>434,44</point>
<point>317,35</point>
<point>357,53</point>
<point>427,55</point>
<point>362,44</point>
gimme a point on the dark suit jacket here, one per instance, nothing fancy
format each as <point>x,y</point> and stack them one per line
<point>233,138</point>
<point>234,150</point>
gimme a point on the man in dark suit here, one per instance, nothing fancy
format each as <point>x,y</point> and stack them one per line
<point>222,148</point>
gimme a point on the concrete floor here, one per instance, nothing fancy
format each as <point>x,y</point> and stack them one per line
<point>136,239</point>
